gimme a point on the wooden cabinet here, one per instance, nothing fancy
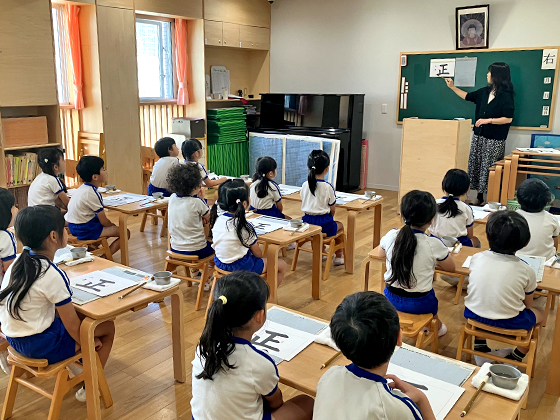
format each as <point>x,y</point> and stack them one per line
<point>213,33</point>
<point>27,69</point>
<point>243,12</point>
<point>254,38</point>
<point>231,35</point>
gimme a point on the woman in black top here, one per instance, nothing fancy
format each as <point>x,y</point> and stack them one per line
<point>493,115</point>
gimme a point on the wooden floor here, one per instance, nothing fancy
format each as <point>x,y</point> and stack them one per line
<point>139,370</point>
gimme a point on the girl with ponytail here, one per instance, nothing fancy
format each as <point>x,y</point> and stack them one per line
<point>231,378</point>
<point>47,188</point>
<point>234,238</point>
<point>8,211</point>
<point>36,310</point>
<point>454,217</point>
<point>412,257</point>
<point>318,198</point>
<point>265,194</point>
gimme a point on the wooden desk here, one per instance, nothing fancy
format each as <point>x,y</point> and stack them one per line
<point>354,208</point>
<point>132,209</point>
<point>303,373</point>
<point>109,307</point>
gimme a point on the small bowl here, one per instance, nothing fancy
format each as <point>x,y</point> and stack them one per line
<point>157,195</point>
<point>449,240</point>
<point>163,277</point>
<point>78,252</point>
<point>296,223</point>
<point>110,187</point>
<point>369,194</point>
<point>494,205</point>
<point>505,376</point>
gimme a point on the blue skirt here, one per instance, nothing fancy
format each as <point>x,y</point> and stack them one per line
<point>152,189</point>
<point>326,221</point>
<point>272,212</point>
<point>248,263</point>
<point>53,344</point>
<point>525,320</point>
<point>465,241</point>
<point>200,253</point>
<point>414,305</point>
<point>86,231</point>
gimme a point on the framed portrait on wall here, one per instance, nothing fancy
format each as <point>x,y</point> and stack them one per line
<point>471,27</point>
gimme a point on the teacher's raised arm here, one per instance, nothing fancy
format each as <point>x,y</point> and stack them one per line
<point>493,117</point>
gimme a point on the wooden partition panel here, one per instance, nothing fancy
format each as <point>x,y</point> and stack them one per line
<point>119,92</point>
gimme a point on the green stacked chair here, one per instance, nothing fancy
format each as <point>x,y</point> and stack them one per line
<point>228,146</point>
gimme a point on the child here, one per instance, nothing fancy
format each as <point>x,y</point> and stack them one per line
<point>47,188</point>
<point>86,217</point>
<point>235,240</point>
<point>8,248</point>
<point>265,194</point>
<point>534,195</point>
<point>231,379</point>
<point>187,213</point>
<point>501,286</point>
<point>192,152</point>
<point>34,291</point>
<point>366,329</point>
<point>412,257</point>
<point>318,198</point>
<point>167,151</point>
<point>454,217</point>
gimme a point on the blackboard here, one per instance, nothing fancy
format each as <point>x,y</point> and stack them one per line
<point>430,98</point>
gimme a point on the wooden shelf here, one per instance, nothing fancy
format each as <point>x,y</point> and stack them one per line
<point>13,187</point>
<point>32,146</point>
<point>232,100</point>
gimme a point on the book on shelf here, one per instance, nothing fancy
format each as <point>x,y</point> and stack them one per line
<point>21,169</point>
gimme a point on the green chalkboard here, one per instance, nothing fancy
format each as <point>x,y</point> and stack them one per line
<point>430,98</point>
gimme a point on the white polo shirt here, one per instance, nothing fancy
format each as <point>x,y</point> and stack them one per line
<point>8,249</point>
<point>352,393</point>
<point>429,250</point>
<point>86,202</point>
<point>269,200</point>
<point>452,226</point>
<point>185,222</point>
<point>544,227</point>
<point>227,246</point>
<point>161,169</point>
<point>38,307</point>
<point>321,202</point>
<point>44,190</point>
<point>201,168</point>
<point>498,284</point>
<point>235,394</point>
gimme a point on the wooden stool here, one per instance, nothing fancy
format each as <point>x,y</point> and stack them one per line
<point>265,248</point>
<point>40,368</point>
<point>190,262</point>
<point>413,325</point>
<point>517,338</point>
<point>365,273</point>
<point>550,304</point>
<point>155,216</point>
<point>334,243</point>
<point>100,246</point>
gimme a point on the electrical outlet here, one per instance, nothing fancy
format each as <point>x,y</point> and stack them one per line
<point>547,80</point>
<point>383,108</point>
<point>546,95</point>
<point>545,110</point>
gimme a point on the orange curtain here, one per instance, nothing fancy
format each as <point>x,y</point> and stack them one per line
<point>181,60</point>
<point>72,13</point>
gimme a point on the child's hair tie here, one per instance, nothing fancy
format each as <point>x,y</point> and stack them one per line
<point>264,175</point>
<point>407,222</point>
<point>46,160</point>
<point>313,167</point>
<point>223,299</point>
<point>27,248</point>
<point>450,195</point>
<point>238,201</point>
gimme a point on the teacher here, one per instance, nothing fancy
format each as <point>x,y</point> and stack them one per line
<point>493,115</point>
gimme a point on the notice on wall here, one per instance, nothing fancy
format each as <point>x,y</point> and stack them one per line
<point>549,57</point>
<point>444,67</point>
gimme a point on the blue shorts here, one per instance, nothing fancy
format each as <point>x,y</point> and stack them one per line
<point>326,221</point>
<point>272,212</point>
<point>465,241</point>
<point>152,189</point>
<point>414,305</point>
<point>248,263</point>
<point>525,320</point>
<point>86,231</point>
<point>201,253</point>
<point>53,344</point>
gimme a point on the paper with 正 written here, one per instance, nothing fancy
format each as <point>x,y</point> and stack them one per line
<point>345,198</point>
<point>442,396</point>
<point>122,199</point>
<point>536,263</point>
<point>100,283</point>
<point>465,72</point>
<point>267,224</point>
<point>288,189</point>
<point>280,341</point>
<point>479,213</point>
<point>442,67</point>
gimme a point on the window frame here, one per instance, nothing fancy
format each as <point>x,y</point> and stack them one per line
<point>62,64</point>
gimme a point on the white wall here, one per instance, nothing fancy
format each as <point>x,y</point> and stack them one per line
<point>353,46</point>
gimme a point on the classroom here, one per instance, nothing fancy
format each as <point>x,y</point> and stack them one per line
<point>279,209</point>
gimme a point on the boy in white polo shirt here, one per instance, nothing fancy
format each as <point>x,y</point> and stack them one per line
<point>534,195</point>
<point>167,151</point>
<point>501,286</point>
<point>366,328</point>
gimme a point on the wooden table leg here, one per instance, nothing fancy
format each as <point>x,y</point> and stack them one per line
<point>553,381</point>
<point>317,269</point>
<point>89,359</point>
<point>272,271</point>
<point>178,334</point>
<point>512,183</point>
<point>350,241</point>
<point>377,225</point>
<point>123,218</point>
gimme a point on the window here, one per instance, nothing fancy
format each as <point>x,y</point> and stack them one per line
<point>60,53</point>
<point>154,54</point>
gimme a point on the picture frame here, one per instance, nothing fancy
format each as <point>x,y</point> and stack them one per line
<point>472,27</point>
